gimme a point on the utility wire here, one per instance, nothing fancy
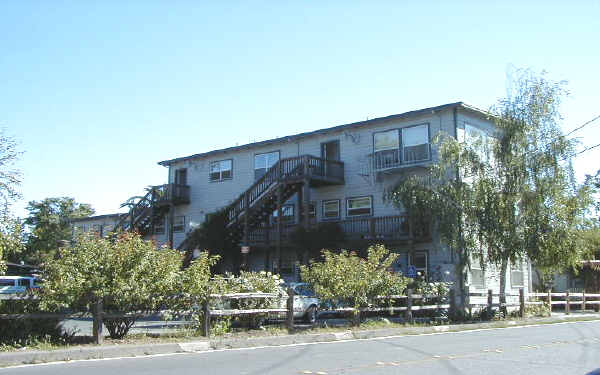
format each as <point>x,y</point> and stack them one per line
<point>585,150</point>
<point>582,126</point>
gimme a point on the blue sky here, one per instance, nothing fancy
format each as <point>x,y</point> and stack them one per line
<point>98,92</point>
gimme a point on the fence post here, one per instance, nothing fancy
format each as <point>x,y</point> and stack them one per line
<point>290,309</point>
<point>583,301</point>
<point>550,299</point>
<point>490,301</point>
<point>409,301</point>
<point>206,313</point>
<point>98,312</point>
<point>567,307</point>
<point>522,302</point>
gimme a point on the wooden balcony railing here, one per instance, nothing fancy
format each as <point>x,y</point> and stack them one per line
<point>171,193</point>
<point>390,228</point>
<point>400,157</point>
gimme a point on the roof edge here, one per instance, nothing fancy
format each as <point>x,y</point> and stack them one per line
<point>166,163</point>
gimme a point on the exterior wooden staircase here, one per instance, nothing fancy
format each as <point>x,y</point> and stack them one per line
<point>146,211</point>
<point>284,179</point>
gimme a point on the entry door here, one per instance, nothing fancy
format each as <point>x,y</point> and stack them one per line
<point>331,151</point>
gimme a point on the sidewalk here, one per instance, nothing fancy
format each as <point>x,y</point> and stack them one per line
<point>119,351</point>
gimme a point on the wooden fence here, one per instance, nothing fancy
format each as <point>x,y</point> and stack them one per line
<point>411,302</point>
<point>566,299</point>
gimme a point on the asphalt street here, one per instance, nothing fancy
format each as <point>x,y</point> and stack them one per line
<point>567,348</point>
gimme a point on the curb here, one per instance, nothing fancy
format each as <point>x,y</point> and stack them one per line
<point>120,351</point>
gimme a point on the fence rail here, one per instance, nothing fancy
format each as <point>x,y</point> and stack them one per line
<point>567,300</point>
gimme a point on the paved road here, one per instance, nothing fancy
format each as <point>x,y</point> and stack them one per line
<point>571,348</point>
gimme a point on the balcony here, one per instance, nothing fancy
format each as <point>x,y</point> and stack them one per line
<point>370,229</point>
<point>171,194</point>
<point>401,157</point>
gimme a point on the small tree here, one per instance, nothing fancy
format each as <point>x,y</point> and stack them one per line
<point>125,275</point>
<point>347,276</point>
<point>11,240</point>
<point>49,223</point>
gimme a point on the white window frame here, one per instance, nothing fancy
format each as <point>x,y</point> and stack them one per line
<point>324,212</point>
<point>518,268</point>
<point>349,214</point>
<point>288,212</point>
<point>223,167</point>
<point>405,145</point>
<point>179,224</point>
<point>476,265</point>
<point>269,161</point>
<point>388,148</point>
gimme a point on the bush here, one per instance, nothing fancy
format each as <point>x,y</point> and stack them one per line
<point>346,276</point>
<point>127,274</point>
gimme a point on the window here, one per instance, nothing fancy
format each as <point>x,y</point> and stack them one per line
<point>287,211</point>
<point>388,140</point>
<point>478,140</point>
<point>331,209</point>
<point>419,261</point>
<point>415,143</point>
<point>386,146</point>
<point>159,226</point>
<point>181,176</point>
<point>477,272</point>
<point>106,229</point>
<point>179,224</point>
<point>96,229</point>
<point>359,206</point>
<point>516,274</point>
<point>221,170</point>
<point>262,163</point>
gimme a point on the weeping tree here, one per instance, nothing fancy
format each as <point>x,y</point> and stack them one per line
<point>508,194</point>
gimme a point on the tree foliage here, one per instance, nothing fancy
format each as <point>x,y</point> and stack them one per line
<point>10,179</point>
<point>49,222</point>
<point>509,193</point>
<point>347,276</point>
<point>127,274</point>
<point>10,175</point>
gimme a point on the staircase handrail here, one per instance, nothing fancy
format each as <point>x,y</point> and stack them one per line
<point>283,168</point>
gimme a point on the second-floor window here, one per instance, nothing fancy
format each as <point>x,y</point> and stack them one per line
<point>415,143</point>
<point>221,170</point>
<point>262,163</point>
<point>359,206</point>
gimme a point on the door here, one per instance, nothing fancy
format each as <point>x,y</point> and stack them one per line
<point>331,151</point>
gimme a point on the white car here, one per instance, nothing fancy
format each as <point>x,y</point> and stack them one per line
<point>306,303</point>
<point>17,284</point>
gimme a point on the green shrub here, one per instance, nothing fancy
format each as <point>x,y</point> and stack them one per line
<point>346,276</point>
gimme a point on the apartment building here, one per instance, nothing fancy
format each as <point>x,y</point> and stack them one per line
<point>332,177</point>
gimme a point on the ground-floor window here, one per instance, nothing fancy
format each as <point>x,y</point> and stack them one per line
<point>516,274</point>
<point>179,224</point>
<point>159,226</point>
<point>477,272</point>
